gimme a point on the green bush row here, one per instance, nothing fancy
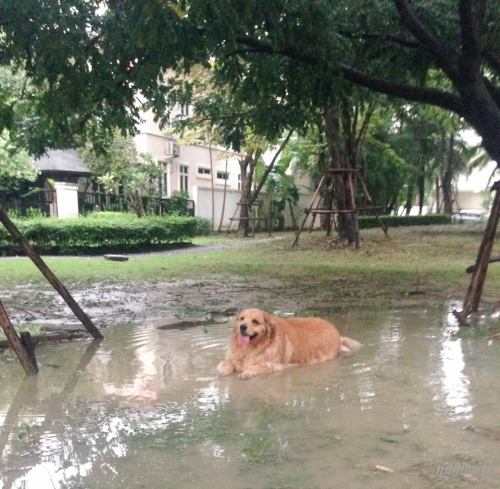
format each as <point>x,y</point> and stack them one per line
<point>107,232</point>
<point>366,222</point>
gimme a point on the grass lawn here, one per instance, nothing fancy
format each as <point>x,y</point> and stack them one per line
<point>418,262</point>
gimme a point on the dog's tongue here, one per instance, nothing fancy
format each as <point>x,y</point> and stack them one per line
<point>243,340</point>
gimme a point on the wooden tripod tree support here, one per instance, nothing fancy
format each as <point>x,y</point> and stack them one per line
<point>49,275</point>
<point>312,210</point>
<point>251,217</point>
<point>473,296</point>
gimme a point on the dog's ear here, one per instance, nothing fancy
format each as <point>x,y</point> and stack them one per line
<point>269,319</point>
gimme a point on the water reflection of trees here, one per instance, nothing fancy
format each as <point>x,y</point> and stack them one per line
<point>49,448</point>
<point>71,440</point>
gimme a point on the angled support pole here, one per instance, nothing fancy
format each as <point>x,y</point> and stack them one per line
<point>26,357</point>
<point>49,275</point>
<point>473,296</point>
<point>311,205</point>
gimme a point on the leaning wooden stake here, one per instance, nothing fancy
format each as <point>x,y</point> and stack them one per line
<point>301,227</point>
<point>473,297</point>
<point>49,275</point>
<point>27,360</point>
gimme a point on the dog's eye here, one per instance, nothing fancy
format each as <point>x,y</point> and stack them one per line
<point>254,321</point>
<point>241,318</point>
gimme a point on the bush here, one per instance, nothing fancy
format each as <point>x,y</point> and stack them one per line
<point>107,232</point>
<point>178,203</point>
<point>366,222</point>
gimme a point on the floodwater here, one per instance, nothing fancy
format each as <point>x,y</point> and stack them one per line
<point>416,407</point>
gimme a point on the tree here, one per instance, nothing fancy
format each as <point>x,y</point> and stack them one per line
<point>253,181</point>
<point>120,169</point>
<point>218,117</point>
<point>282,192</point>
<point>16,168</point>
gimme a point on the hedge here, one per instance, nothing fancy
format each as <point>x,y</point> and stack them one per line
<point>106,232</point>
<point>366,222</point>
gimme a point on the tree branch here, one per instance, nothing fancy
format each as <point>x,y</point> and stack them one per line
<point>386,38</point>
<point>471,20</point>
<point>268,170</point>
<point>259,46</point>
<point>426,38</point>
<point>431,96</point>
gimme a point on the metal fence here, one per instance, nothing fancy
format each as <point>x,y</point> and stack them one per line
<point>98,201</point>
<point>43,202</point>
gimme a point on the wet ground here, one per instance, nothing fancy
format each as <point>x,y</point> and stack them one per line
<point>416,407</point>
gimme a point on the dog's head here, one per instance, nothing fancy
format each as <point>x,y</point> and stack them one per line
<point>252,327</point>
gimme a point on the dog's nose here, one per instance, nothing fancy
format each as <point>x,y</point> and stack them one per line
<point>243,327</point>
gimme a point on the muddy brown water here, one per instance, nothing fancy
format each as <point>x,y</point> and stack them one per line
<point>416,407</point>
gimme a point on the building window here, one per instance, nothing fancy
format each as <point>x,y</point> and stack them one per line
<point>239,181</point>
<point>183,173</point>
<point>222,175</point>
<point>185,110</point>
<point>164,181</point>
<point>203,171</point>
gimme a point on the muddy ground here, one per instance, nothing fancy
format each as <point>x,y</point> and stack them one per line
<point>161,302</point>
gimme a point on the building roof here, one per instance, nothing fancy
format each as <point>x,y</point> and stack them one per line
<point>67,161</point>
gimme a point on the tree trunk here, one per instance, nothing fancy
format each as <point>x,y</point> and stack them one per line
<point>292,215</point>
<point>447,179</point>
<point>421,186</point>
<point>223,199</point>
<point>409,199</point>
<point>212,181</point>
<point>438,197</point>
<point>347,223</point>
<point>247,168</point>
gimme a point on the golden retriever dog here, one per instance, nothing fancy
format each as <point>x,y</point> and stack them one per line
<point>263,343</point>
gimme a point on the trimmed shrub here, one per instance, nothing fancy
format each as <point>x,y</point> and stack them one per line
<point>107,232</point>
<point>366,222</point>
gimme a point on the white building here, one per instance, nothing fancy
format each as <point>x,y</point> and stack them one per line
<point>186,168</point>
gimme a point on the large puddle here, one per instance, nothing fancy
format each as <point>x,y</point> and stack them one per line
<point>416,407</point>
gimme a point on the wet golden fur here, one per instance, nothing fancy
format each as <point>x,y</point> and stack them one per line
<point>278,343</point>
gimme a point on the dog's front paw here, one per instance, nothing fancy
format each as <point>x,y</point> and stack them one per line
<point>246,375</point>
<point>225,368</point>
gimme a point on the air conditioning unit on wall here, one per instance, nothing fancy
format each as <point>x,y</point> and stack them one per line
<point>171,148</point>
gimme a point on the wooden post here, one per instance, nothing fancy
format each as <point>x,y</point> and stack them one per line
<point>270,217</point>
<point>473,297</point>
<point>49,275</point>
<point>370,200</point>
<point>355,213</point>
<point>296,240</point>
<point>27,361</point>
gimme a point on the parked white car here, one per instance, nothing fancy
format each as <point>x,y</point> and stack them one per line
<point>469,216</point>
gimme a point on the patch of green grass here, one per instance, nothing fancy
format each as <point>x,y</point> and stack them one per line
<point>259,448</point>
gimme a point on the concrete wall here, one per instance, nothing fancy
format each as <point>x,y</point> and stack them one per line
<point>203,199</point>
<point>476,201</point>
<point>195,157</point>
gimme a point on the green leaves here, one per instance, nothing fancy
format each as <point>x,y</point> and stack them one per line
<point>16,167</point>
